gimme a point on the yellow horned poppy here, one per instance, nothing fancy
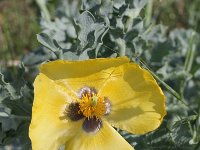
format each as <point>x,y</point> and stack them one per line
<point>77,104</point>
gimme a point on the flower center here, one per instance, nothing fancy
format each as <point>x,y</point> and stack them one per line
<point>92,106</point>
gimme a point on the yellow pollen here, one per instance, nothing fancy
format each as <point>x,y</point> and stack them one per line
<point>92,106</point>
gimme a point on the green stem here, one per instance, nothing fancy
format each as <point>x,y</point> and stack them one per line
<point>173,92</point>
<point>44,10</point>
<point>169,89</point>
<point>122,47</point>
<point>148,12</point>
<point>59,54</point>
<point>190,54</point>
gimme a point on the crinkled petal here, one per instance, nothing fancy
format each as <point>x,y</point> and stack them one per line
<point>47,130</point>
<point>138,104</point>
<point>61,69</point>
<point>107,138</point>
<point>95,80</point>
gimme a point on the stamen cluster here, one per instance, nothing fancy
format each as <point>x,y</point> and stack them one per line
<point>92,106</point>
<point>89,107</point>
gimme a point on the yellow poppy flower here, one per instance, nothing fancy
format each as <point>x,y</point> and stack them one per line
<point>77,104</point>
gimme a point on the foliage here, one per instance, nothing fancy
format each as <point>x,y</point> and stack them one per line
<point>96,28</point>
<point>17,29</point>
<point>178,13</point>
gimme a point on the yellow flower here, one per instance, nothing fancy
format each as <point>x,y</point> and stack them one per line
<point>76,103</point>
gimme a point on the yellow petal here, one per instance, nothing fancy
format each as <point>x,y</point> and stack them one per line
<point>138,104</point>
<point>61,69</point>
<point>107,138</point>
<point>47,131</point>
<point>74,75</point>
<point>95,80</point>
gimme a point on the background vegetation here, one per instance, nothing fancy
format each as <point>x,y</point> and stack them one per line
<point>162,36</point>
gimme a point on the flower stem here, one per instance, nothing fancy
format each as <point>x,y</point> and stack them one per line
<point>169,89</point>
<point>148,12</point>
<point>122,46</point>
<point>190,54</point>
<point>44,10</point>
